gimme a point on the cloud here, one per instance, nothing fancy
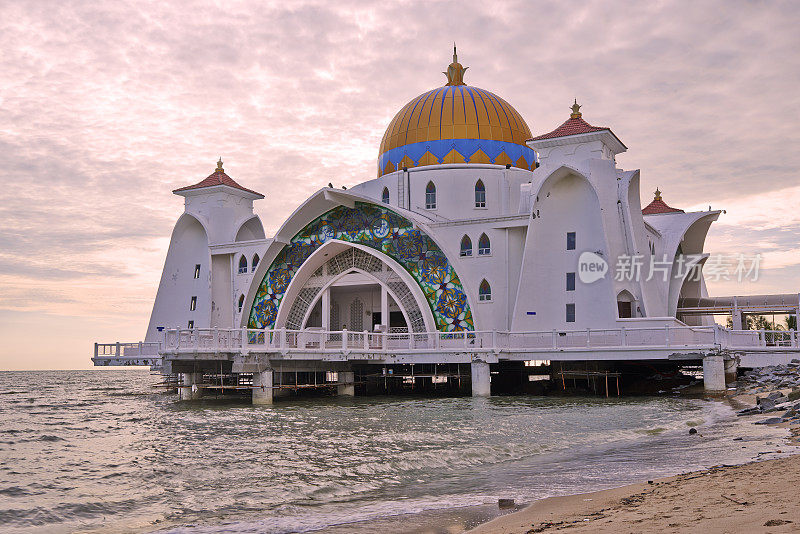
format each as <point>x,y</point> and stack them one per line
<point>107,107</point>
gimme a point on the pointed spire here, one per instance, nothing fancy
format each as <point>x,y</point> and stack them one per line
<point>455,71</point>
<point>658,194</point>
<point>576,114</point>
<point>219,165</point>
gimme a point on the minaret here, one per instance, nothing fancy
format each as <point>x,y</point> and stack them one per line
<point>200,279</point>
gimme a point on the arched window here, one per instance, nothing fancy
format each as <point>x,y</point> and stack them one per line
<point>254,263</point>
<point>430,196</point>
<point>480,195</point>
<point>466,246</point>
<point>625,303</point>
<point>243,265</point>
<point>241,303</point>
<point>484,247</point>
<point>385,195</point>
<point>485,291</point>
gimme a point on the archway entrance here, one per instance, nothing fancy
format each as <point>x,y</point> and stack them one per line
<point>358,303</point>
<point>355,291</point>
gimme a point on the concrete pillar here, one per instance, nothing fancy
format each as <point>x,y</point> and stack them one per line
<point>714,373</point>
<point>385,308</point>
<point>481,379</point>
<point>731,370</point>
<point>326,309</point>
<point>737,320</point>
<point>346,386</point>
<point>193,392</point>
<point>262,392</point>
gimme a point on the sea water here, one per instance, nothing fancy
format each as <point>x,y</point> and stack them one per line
<point>105,451</point>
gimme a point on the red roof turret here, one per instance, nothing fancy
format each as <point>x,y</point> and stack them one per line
<point>575,125</point>
<point>658,206</point>
<point>218,177</point>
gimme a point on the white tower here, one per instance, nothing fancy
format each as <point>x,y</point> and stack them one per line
<point>199,281</point>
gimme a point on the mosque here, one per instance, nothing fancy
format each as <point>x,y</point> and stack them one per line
<point>472,225</point>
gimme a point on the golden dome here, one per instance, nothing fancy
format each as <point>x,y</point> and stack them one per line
<point>456,123</point>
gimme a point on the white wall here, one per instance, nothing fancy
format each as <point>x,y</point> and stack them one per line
<point>546,261</point>
<point>188,247</point>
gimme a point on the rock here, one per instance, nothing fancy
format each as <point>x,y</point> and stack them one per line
<point>505,503</point>
<point>749,411</point>
<point>795,360</point>
<point>794,395</point>
<point>775,395</point>
<point>692,431</point>
<point>776,522</point>
<point>765,403</point>
<point>770,421</point>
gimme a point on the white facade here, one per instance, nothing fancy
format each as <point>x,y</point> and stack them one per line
<point>513,237</point>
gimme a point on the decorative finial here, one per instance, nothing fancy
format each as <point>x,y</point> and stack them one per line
<point>576,114</point>
<point>219,165</point>
<point>658,195</point>
<point>455,71</point>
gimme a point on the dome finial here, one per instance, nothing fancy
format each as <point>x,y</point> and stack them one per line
<point>455,71</point>
<point>219,165</point>
<point>576,114</point>
<point>658,195</point>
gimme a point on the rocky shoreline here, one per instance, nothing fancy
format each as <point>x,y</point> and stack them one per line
<point>773,391</point>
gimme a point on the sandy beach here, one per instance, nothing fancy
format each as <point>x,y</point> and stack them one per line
<point>756,497</point>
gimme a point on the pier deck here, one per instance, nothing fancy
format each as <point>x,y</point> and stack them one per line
<point>253,346</point>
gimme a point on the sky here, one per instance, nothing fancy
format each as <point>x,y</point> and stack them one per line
<point>106,107</point>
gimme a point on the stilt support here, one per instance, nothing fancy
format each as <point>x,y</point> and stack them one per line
<point>481,379</point>
<point>714,373</point>
<point>192,391</point>
<point>731,370</point>
<point>262,387</point>
<point>346,387</point>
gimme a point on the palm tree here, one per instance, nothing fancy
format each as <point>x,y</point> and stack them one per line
<point>791,322</point>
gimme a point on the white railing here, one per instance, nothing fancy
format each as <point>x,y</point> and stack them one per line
<point>474,341</point>
<point>243,340</point>
<point>759,339</point>
<point>141,349</point>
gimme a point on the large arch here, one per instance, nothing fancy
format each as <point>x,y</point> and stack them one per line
<point>188,248</point>
<point>375,227</point>
<point>564,202</point>
<point>334,260</point>
<point>250,230</point>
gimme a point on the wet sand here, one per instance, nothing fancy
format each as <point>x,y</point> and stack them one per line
<point>755,497</point>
